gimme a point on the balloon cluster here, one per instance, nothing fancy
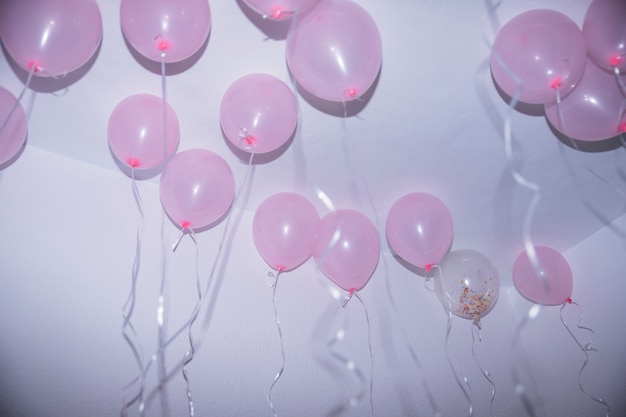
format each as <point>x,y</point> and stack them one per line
<point>542,57</point>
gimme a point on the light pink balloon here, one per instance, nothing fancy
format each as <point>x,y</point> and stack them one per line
<point>177,28</point>
<point>593,110</point>
<point>468,284</point>
<point>420,229</point>
<point>197,188</point>
<point>13,126</point>
<point>544,50</point>
<point>53,36</point>
<point>258,112</point>
<point>553,284</point>
<point>280,9</point>
<point>136,134</point>
<point>285,230</point>
<point>351,260</point>
<point>335,51</point>
<point>604,29</point>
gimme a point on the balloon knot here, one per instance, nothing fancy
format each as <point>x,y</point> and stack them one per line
<point>133,162</point>
<point>163,44</point>
<point>350,92</point>
<point>277,14</point>
<point>428,267</point>
<point>32,65</point>
<point>352,291</point>
<point>185,224</point>
<point>569,300</point>
<point>556,83</point>
<point>250,140</point>
<point>615,60</point>
<point>622,127</point>
<point>280,268</point>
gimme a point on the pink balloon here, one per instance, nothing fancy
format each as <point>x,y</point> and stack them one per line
<point>420,229</point>
<point>351,260</point>
<point>468,284</point>
<point>285,230</point>
<point>543,50</point>
<point>335,52</point>
<point>593,110</point>
<point>53,36</point>
<point>258,112</point>
<point>552,286</point>
<point>604,29</point>
<point>136,134</point>
<point>13,126</point>
<point>197,188</point>
<point>280,9</point>
<point>175,28</point>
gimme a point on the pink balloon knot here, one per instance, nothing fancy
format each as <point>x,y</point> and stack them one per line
<point>351,92</point>
<point>250,140</point>
<point>352,291</point>
<point>277,14</point>
<point>163,45</point>
<point>133,162</point>
<point>35,65</point>
<point>185,224</point>
<point>280,268</point>
<point>556,83</point>
<point>428,267</point>
<point>615,60</point>
<point>569,300</point>
<point>622,127</point>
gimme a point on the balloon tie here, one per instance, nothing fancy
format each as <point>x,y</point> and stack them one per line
<point>33,68</point>
<point>369,344</point>
<point>246,141</point>
<point>280,335</point>
<point>461,383</point>
<point>476,334</point>
<point>586,348</point>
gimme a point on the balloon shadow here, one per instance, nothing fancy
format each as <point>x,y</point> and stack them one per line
<point>525,108</point>
<point>259,158</point>
<point>171,68</point>
<point>52,83</point>
<point>272,29</point>
<point>594,146</point>
<point>338,108</point>
<point>15,157</point>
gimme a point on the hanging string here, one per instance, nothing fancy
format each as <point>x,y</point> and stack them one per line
<point>464,382</point>
<point>476,334</point>
<point>586,348</point>
<point>33,68</point>
<point>280,335</point>
<point>369,344</point>
<point>128,330</point>
<point>194,315</point>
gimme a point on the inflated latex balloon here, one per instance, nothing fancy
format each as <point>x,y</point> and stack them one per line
<point>551,285</point>
<point>348,249</point>
<point>258,113</point>
<point>420,229</point>
<point>175,28</point>
<point>13,126</point>
<point>136,135</point>
<point>335,51</point>
<point>54,37</point>
<point>197,188</point>
<point>468,284</point>
<point>538,52</point>
<point>593,110</point>
<point>280,9</point>
<point>285,230</point>
<point>604,29</point>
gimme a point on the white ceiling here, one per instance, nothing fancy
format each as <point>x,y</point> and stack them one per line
<point>433,123</point>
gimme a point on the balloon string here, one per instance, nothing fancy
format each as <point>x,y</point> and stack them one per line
<point>620,82</point>
<point>369,344</point>
<point>19,98</point>
<point>282,346</point>
<point>476,334</point>
<point>128,330</point>
<point>516,342</point>
<point>462,384</point>
<point>586,348</point>
<point>194,315</point>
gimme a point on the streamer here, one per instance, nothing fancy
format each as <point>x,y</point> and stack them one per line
<point>460,383</point>
<point>282,345</point>
<point>476,333</point>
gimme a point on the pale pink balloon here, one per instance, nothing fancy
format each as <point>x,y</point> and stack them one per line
<point>351,260</point>
<point>551,285</point>
<point>468,284</point>
<point>53,36</point>
<point>419,229</point>
<point>175,28</point>
<point>538,51</point>
<point>280,9</point>
<point>285,229</point>
<point>593,110</point>
<point>13,126</point>
<point>604,29</point>
<point>258,113</point>
<point>136,131</point>
<point>335,51</point>
<point>197,188</point>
